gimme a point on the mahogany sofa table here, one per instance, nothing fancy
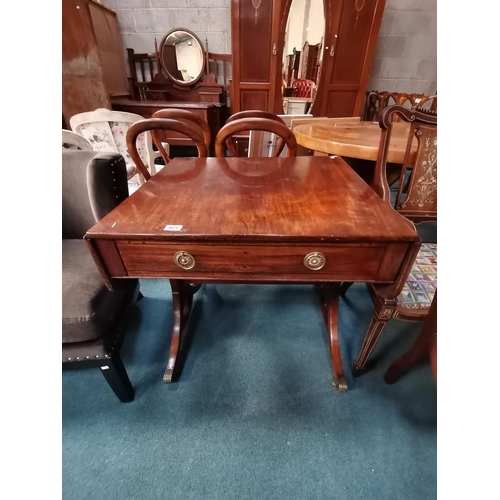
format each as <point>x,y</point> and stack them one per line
<point>256,220</point>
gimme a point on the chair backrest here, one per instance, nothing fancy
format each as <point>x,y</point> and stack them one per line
<point>303,88</point>
<point>142,67</point>
<point>220,68</point>
<point>74,141</point>
<point>92,185</point>
<point>256,138</point>
<point>188,117</point>
<point>273,125</point>
<point>417,201</point>
<point>106,131</point>
<point>154,125</point>
<point>377,101</point>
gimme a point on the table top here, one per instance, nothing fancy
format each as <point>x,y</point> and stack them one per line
<point>255,199</point>
<point>353,139</point>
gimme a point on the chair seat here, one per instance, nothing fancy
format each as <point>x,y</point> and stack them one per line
<point>421,284</point>
<point>88,307</point>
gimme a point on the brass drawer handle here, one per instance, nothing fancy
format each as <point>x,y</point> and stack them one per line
<point>314,261</point>
<point>184,260</point>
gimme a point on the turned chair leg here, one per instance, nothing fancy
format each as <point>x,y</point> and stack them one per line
<point>377,325</point>
<point>115,374</point>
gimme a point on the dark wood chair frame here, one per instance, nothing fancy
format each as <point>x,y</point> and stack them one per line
<point>419,205</point>
<point>423,350</point>
<point>254,120</point>
<point>154,125</point>
<point>188,117</point>
<point>377,101</point>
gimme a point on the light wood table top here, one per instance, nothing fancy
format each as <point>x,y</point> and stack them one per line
<point>353,139</point>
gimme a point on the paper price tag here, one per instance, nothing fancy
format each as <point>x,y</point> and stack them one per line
<point>172,227</point>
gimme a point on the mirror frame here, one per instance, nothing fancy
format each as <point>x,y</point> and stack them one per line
<point>203,51</point>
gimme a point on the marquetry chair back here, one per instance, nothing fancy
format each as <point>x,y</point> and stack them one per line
<point>252,121</point>
<point>376,102</point>
<point>188,117</point>
<point>154,126</point>
<point>418,200</point>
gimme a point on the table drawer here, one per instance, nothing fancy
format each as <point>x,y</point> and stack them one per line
<point>328,262</point>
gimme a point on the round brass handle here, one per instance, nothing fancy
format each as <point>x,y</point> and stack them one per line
<point>314,261</point>
<point>184,260</point>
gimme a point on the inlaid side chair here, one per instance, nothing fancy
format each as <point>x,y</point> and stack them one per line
<point>418,203</point>
<point>93,317</point>
<point>424,349</point>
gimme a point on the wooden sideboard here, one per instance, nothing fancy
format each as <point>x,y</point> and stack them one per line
<point>213,113</point>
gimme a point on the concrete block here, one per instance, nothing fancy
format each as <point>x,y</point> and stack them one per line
<point>422,47</point>
<point>140,42</point>
<point>219,20</point>
<point>207,4</point>
<point>388,19</point>
<point>381,84</point>
<point>399,68</point>
<point>154,20</point>
<point>126,21</point>
<point>216,41</point>
<point>390,46</point>
<point>429,5</point>
<point>414,23</point>
<point>411,86</point>
<point>193,19</point>
<point>110,4</point>
<point>376,68</point>
<point>427,69</point>
<point>132,4</point>
<point>169,4</point>
<point>431,88</point>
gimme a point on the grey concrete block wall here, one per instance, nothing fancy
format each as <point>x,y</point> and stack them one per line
<point>405,56</point>
<point>141,21</point>
<point>406,53</point>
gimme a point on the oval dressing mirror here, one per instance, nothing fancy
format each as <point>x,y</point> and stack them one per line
<point>182,56</point>
<point>302,55</point>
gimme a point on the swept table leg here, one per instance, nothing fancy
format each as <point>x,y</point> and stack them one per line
<point>329,295</point>
<point>182,300</point>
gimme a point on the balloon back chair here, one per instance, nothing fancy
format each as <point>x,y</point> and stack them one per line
<point>255,121</point>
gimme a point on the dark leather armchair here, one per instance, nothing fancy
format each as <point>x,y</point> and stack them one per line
<point>93,317</point>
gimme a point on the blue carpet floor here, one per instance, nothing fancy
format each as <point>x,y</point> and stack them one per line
<point>253,415</point>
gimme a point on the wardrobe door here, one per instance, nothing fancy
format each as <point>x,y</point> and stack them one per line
<point>254,29</point>
<point>83,83</point>
<point>350,40</point>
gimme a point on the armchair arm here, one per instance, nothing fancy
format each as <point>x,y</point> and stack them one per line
<point>107,183</point>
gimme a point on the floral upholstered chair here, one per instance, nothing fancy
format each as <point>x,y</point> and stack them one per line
<point>73,141</point>
<point>106,131</point>
<point>418,203</point>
